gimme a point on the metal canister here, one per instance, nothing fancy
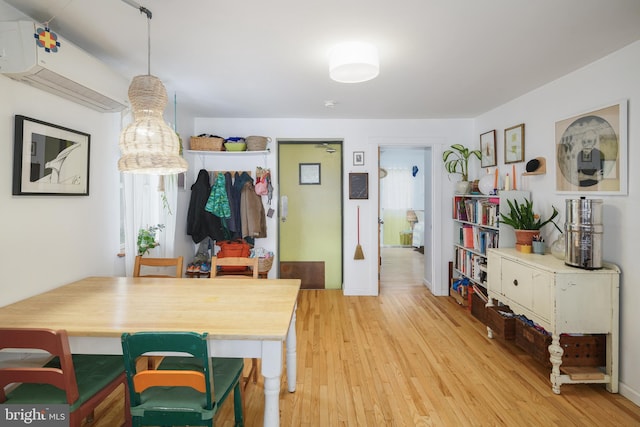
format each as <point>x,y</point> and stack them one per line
<point>583,231</point>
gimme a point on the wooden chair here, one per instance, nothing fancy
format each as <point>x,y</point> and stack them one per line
<point>251,265</point>
<point>252,269</point>
<point>183,390</point>
<point>81,381</point>
<point>157,262</point>
<point>153,361</point>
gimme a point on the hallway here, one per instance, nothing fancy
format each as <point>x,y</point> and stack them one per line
<point>401,267</point>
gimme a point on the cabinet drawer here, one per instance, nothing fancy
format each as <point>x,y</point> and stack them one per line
<point>517,283</point>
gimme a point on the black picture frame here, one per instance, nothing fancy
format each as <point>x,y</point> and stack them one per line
<point>49,159</point>
<point>309,174</point>
<point>359,185</point>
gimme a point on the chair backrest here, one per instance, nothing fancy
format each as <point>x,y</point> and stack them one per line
<point>236,262</point>
<point>138,344</point>
<point>54,342</point>
<point>157,262</point>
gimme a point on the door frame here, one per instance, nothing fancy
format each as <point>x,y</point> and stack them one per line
<point>437,282</point>
<point>315,141</point>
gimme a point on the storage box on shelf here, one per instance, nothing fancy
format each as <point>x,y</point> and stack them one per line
<point>578,350</point>
<point>502,325</point>
<point>477,228</point>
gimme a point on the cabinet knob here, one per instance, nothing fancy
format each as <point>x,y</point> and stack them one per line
<point>515,282</point>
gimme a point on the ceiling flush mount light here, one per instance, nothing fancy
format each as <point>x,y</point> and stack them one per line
<point>353,62</point>
<point>148,145</point>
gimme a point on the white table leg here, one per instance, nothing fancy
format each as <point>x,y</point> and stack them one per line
<point>271,370</point>
<point>291,354</point>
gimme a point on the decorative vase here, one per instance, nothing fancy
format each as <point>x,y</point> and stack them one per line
<point>525,238</point>
<point>462,187</point>
<point>558,247</point>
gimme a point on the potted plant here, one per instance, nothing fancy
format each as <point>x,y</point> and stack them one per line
<point>147,238</point>
<point>524,221</point>
<point>456,162</point>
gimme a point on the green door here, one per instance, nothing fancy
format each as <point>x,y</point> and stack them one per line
<point>310,223</point>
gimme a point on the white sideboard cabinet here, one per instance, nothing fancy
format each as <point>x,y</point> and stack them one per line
<point>563,300</point>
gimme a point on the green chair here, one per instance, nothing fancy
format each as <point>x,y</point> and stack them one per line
<point>81,381</point>
<point>182,390</point>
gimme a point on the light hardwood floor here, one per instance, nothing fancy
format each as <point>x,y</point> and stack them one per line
<point>407,358</point>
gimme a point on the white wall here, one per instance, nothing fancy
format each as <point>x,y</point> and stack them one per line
<point>360,277</point>
<point>47,241</point>
<point>598,84</point>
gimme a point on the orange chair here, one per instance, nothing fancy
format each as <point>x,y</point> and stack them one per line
<point>81,381</point>
<point>157,262</point>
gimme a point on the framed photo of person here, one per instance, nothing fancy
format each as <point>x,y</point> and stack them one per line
<point>591,151</point>
<point>488,149</point>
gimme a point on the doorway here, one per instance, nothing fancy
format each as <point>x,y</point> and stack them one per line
<point>310,223</point>
<point>405,213</point>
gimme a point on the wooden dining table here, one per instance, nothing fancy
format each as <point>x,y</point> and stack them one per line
<point>246,318</point>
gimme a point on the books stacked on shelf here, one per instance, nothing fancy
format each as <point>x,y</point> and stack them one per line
<point>478,239</point>
<point>471,265</point>
<point>482,211</point>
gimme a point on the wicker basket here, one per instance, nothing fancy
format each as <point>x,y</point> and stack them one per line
<point>264,264</point>
<point>257,143</point>
<point>206,143</point>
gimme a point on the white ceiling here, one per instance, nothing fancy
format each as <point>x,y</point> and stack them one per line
<point>257,58</point>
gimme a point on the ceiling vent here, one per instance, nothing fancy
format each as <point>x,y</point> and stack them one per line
<point>70,72</point>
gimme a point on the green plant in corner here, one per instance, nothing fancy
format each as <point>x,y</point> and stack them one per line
<point>456,160</point>
<point>147,238</point>
<point>522,217</point>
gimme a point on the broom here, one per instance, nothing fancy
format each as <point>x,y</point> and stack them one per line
<point>359,254</point>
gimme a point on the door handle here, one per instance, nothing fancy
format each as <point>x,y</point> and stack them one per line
<point>284,208</point>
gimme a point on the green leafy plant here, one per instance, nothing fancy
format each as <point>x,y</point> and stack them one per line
<point>522,217</point>
<point>147,238</point>
<point>456,160</point>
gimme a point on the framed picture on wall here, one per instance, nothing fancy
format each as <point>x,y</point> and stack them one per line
<point>358,185</point>
<point>591,151</point>
<point>49,159</point>
<point>488,149</point>
<point>358,158</point>
<point>309,174</point>
<point>514,144</point>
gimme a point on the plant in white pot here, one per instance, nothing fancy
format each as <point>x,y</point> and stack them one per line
<point>456,162</point>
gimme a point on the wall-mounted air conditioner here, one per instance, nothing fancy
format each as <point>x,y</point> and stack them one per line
<point>70,72</point>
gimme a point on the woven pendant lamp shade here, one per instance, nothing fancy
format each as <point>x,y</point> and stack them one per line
<point>148,145</point>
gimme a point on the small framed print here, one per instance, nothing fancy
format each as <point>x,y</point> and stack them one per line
<point>358,185</point>
<point>358,158</point>
<point>488,149</point>
<point>309,173</point>
<point>514,144</point>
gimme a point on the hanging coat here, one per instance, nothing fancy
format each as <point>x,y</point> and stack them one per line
<point>201,223</point>
<point>254,220</point>
<point>218,202</point>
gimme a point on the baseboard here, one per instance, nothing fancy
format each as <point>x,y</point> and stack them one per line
<point>629,393</point>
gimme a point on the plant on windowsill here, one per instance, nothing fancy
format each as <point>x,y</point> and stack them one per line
<point>456,162</point>
<point>147,238</point>
<point>524,221</point>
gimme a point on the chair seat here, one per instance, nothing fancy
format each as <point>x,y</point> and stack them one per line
<point>93,372</point>
<point>226,371</point>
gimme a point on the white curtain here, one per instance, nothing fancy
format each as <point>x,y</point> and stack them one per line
<point>397,189</point>
<point>149,200</point>
<point>396,197</point>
